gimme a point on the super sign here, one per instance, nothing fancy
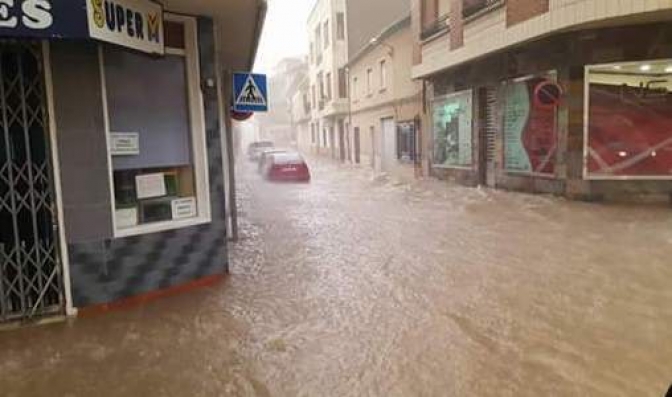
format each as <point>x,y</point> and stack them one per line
<point>136,24</point>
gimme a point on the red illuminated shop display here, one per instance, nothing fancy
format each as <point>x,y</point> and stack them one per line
<point>629,131</point>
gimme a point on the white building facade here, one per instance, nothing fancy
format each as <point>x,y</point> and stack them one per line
<point>327,78</point>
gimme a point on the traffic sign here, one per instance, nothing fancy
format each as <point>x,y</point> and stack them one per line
<point>250,92</point>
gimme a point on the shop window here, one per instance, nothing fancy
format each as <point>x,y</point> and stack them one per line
<point>629,113</point>
<point>406,148</point>
<point>156,135</point>
<point>530,124</point>
<point>452,130</point>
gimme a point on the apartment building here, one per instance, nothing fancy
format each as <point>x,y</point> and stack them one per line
<point>328,86</point>
<point>337,30</point>
<point>570,97</point>
<point>386,104</point>
<point>300,110</point>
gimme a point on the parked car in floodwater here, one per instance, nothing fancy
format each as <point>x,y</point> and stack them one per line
<point>264,155</point>
<point>286,167</point>
<point>256,148</point>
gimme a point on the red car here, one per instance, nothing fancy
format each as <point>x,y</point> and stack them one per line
<point>286,167</point>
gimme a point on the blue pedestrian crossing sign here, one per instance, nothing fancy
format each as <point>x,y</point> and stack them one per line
<point>250,92</point>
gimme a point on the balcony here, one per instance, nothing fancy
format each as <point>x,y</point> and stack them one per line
<point>473,8</point>
<point>436,27</point>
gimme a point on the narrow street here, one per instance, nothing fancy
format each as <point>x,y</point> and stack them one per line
<point>357,286</point>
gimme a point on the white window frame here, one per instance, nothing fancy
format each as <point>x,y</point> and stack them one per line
<point>326,26</point>
<point>369,81</point>
<point>587,175</point>
<point>340,26</point>
<point>328,85</point>
<point>198,136</point>
<point>382,66</point>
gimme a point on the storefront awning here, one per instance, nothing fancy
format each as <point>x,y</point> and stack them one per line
<point>239,24</point>
<point>137,24</point>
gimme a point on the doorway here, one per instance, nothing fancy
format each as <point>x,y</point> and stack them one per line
<point>358,146</point>
<point>31,283</point>
<point>374,151</point>
<point>389,144</point>
<point>341,140</point>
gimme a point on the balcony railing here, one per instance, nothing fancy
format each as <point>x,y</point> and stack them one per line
<point>471,8</point>
<point>436,27</point>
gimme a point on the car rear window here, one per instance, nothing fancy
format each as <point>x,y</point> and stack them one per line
<point>287,158</point>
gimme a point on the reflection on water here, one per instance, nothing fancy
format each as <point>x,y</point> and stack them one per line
<point>351,286</point>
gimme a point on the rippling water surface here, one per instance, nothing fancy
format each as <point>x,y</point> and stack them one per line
<point>352,286</point>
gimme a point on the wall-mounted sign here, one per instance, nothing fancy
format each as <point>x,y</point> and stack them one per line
<point>43,18</point>
<point>184,208</point>
<point>150,185</point>
<point>547,94</point>
<point>241,116</point>
<point>125,143</point>
<point>250,92</point>
<point>136,24</point>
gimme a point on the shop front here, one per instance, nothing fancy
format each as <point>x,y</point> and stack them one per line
<point>583,114</point>
<point>113,150</point>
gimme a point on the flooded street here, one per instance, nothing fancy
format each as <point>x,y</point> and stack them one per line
<point>354,286</point>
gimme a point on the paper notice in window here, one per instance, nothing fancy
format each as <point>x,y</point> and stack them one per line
<point>150,186</point>
<point>127,218</point>
<point>184,208</point>
<point>125,143</point>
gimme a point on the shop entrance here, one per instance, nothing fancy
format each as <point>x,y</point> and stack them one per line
<point>31,282</point>
<point>487,110</point>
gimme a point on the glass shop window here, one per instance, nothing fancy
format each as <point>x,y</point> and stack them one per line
<point>156,135</point>
<point>629,114</point>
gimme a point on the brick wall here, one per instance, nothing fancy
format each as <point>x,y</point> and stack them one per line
<point>521,10</point>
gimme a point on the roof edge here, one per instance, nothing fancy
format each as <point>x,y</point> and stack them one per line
<point>260,21</point>
<point>384,34</point>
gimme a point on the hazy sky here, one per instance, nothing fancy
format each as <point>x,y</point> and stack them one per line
<point>284,32</point>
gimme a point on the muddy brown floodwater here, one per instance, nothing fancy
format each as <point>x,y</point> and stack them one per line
<point>352,286</point>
